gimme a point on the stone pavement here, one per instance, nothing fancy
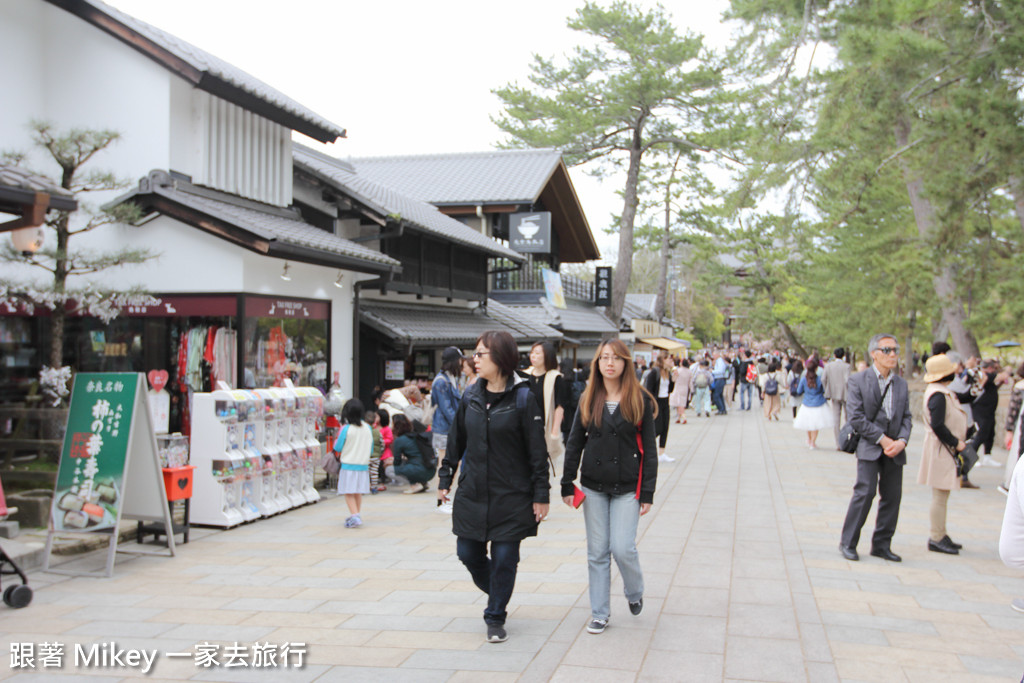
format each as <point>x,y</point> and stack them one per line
<point>744,583</point>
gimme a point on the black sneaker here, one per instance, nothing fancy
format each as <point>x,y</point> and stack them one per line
<point>597,625</point>
<point>496,633</point>
<point>637,607</point>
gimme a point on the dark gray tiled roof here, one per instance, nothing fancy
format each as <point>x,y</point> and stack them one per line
<point>272,224</point>
<point>641,303</point>
<point>17,177</point>
<point>510,176</point>
<point>207,64</point>
<point>572,320</point>
<point>438,325</point>
<point>387,201</point>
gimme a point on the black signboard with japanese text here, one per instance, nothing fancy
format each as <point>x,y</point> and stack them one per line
<point>603,286</point>
<point>530,233</point>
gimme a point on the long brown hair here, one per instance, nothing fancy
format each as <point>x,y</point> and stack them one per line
<point>594,396</point>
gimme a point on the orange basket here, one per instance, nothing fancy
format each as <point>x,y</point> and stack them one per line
<point>178,482</point>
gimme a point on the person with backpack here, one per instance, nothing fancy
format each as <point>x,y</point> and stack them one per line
<point>497,439</point>
<point>771,386</point>
<point>747,373</point>
<point>444,396</point>
<point>702,381</point>
<point>411,459</point>
<point>796,373</point>
<point>613,446</point>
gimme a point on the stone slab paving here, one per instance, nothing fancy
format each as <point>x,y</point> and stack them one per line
<point>744,582</point>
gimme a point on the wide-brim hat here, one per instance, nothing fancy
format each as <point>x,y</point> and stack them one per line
<point>938,367</point>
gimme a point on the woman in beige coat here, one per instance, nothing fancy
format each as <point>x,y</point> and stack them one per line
<point>947,429</point>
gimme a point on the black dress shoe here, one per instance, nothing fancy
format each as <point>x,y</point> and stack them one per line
<point>943,546</point>
<point>886,554</point>
<point>949,540</point>
<point>849,553</point>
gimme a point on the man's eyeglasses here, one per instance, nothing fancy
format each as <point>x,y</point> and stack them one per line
<point>889,350</point>
<point>478,354</point>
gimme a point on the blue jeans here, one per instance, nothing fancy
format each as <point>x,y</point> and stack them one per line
<point>495,576</point>
<point>716,395</point>
<point>611,532</point>
<point>746,389</point>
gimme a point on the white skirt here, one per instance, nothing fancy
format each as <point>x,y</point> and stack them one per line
<point>354,481</point>
<point>813,419</point>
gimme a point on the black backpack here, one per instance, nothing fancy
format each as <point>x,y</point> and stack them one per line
<point>424,443</point>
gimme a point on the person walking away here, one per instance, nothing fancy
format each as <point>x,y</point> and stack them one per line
<point>771,385</point>
<point>834,378</point>
<point>878,401</point>
<point>659,385</point>
<point>793,377</point>
<point>947,430</point>
<point>552,393</point>
<point>498,440</point>
<point>747,374</point>
<point>1012,439</point>
<point>616,417</point>
<point>702,381</point>
<point>409,462</point>
<point>719,371</point>
<point>680,397</point>
<point>353,451</point>
<point>813,415</point>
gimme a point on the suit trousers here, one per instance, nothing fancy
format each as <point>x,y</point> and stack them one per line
<point>886,476</point>
<point>838,408</point>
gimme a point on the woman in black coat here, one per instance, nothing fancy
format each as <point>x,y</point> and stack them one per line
<point>615,417</point>
<point>660,386</point>
<point>498,439</point>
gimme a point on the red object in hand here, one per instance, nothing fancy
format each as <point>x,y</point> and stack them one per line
<point>577,496</point>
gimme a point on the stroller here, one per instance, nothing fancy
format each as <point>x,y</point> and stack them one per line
<point>18,595</point>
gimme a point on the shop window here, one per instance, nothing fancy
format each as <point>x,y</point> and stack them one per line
<point>286,339</point>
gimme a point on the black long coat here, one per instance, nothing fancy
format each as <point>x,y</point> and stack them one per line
<point>504,461</point>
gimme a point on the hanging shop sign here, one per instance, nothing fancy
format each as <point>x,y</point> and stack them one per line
<point>394,370</point>
<point>553,287</point>
<point>530,233</point>
<point>109,468</point>
<point>603,286</point>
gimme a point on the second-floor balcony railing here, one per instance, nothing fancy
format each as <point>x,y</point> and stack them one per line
<point>529,277</point>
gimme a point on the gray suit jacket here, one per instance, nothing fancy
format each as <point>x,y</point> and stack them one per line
<point>834,379</point>
<point>863,399</point>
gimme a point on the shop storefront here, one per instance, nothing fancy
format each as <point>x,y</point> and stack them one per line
<point>245,340</point>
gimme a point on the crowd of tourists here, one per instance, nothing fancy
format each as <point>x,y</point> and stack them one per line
<point>493,429</point>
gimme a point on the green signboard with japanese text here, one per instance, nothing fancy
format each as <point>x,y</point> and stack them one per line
<point>91,475</point>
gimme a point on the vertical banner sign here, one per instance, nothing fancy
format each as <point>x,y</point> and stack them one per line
<point>603,286</point>
<point>553,287</point>
<point>108,467</point>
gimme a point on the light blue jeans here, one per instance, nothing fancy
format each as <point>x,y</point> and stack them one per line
<point>611,532</point>
<point>746,390</point>
<point>702,400</point>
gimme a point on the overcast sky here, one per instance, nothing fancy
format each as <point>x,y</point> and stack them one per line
<point>406,77</point>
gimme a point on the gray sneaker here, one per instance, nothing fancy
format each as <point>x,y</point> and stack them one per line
<point>597,625</point>
<point>496,634</point>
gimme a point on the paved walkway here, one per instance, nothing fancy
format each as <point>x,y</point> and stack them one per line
<point>744,583</point>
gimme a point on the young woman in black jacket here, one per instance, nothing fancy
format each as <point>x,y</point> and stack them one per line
<point>615,417</point>
<point>497,439</point>
<point>660,385</point>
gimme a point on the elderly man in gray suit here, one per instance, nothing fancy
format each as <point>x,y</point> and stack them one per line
<point>878,404</point>
<point>834,379</point>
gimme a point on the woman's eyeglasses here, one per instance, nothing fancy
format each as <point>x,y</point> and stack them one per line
<point>478,354</point>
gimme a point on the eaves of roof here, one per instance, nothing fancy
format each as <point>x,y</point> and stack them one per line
<point>202,69</point>
<point>266,230</point>
<point>385,201</point>
<point>20,187</point>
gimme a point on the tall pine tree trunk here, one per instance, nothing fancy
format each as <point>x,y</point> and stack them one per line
<point>944,279</point>
<point>659,299</point>
<point>624,265</point>
<point>60,276</point>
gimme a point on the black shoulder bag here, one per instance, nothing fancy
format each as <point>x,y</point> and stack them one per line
<point>848,436</point>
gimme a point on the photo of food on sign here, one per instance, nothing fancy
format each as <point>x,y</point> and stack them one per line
<point>86,510</point>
